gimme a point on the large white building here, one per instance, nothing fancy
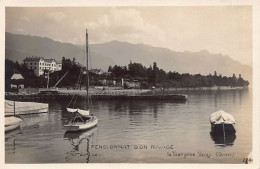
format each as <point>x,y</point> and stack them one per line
<point>39,65</point>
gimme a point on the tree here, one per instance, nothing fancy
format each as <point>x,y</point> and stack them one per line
<point>136,69</point>
<point>155,73</point>
<point>149,73</point>
<point>110,69</point>
<point>234,80</point>
<point>118,71</point>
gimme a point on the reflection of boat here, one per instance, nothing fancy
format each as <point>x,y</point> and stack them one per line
<point>81,119</point>
<point>220,140</point>
<point>12,133</point>
<point>12,123</point>
<point>23,108</point>
<point>76,139</point>
<point>222,122</point>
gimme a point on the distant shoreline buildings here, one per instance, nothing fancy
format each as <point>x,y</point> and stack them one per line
<point>41,65</point>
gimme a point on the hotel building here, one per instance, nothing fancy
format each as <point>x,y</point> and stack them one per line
<point>39,65</point>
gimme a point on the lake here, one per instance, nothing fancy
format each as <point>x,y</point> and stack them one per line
<point>136,131</point>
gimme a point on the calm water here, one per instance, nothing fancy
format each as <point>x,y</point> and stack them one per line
<point>138,132</point>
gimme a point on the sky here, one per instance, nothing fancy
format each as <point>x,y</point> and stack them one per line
<point>220,29</point>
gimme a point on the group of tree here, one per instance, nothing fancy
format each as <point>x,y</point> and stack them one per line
<point>158,77</point>
<point>30,80</point>
<point>151,76</point>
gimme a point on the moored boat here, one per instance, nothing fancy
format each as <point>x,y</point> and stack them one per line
<point>12,123</point>
<point>23,108</point>
<point>81,119</point>
<point>222,122</point>
<point>80,122</point>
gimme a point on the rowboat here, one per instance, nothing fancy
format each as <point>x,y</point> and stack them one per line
<point>222,122</point>
<point>12,123</point>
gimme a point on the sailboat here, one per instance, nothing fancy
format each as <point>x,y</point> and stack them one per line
<point>82,119</point>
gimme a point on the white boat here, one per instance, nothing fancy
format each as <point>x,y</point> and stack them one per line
<point>12,123</point>
<point>222,122</point>
<point>81,119</point>
<point>23,108</point>
<point>81,122</point>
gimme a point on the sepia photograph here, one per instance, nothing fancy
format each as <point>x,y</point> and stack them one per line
<point>128,84</point>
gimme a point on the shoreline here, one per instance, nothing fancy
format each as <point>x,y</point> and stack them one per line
<point>118,90</point>
<point>44,95</point>
<point>207,88</point>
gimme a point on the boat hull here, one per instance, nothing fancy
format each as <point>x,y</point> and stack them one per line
<point>222,127</point>
<point>79,126</point>
<point>33,111</point>
<point>12,123</point>
<point>23,108</point>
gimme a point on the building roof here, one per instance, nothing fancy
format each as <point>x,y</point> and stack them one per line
<point>49,60</point>
<point>17,76</point>
<point>36,58</point>
<point>33,58</point>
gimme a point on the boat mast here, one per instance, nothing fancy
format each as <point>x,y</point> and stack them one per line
<point>14,108</point>
<point>48,80</point>
<point>87,66</point>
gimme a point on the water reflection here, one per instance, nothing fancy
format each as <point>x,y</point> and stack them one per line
<point>77,139</point>
<point>12,135</point>
<point>223,140</point>
<point>34,120</point>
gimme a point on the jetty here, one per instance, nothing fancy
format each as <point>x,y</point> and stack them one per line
<point>45,96</point>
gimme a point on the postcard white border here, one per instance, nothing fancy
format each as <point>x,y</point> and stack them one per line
<point>74,3</point>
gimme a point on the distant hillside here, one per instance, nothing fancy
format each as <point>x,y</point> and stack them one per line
<point>20,46</point>
<point>201,62</point>
<point>120,53</point>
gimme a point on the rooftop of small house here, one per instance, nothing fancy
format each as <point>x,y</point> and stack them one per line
<point>17,75</point>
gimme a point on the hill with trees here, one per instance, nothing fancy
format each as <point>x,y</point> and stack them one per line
<point>158,77</point>
<point>18,46</point>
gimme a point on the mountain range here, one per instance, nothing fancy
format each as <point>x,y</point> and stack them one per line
<point>18,46</point>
